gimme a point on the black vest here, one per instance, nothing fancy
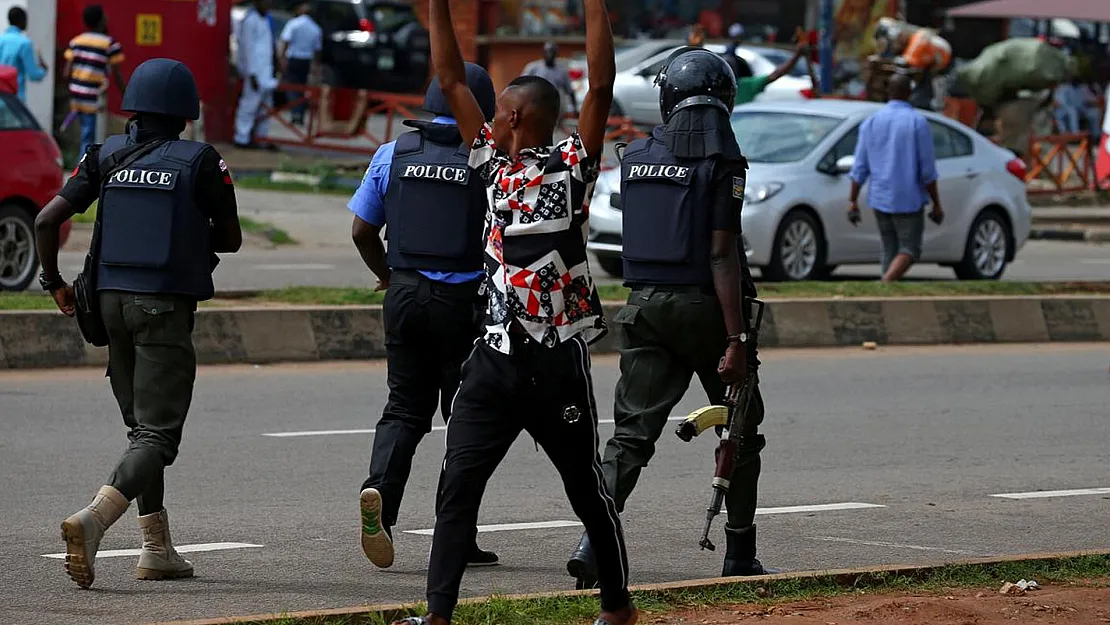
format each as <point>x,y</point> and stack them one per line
<point>155,238</point>
<point>435,206</point>
<point>668,216</point>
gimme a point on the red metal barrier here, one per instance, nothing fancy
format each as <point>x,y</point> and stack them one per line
<point>1068,166</point>
<point>337,119</point>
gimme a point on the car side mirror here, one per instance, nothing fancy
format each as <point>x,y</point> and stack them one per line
<point>647,73</point>
<point>615,200</point>
<point>845,163</point>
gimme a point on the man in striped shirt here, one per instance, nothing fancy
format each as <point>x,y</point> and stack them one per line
<point>88,59</point>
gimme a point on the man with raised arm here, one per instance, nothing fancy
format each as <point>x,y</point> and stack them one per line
<point>531,369</point>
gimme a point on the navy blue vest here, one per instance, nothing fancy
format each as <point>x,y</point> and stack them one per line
<point>668,216</point>
<point>435,206</point>
<point>154,238</point>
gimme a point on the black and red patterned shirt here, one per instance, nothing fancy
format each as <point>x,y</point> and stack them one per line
<point>536,269</point>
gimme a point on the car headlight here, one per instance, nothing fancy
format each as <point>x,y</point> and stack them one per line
<point>761,192</point>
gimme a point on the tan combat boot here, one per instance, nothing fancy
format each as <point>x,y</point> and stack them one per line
<point>83,531</point>
<point>159,560</point>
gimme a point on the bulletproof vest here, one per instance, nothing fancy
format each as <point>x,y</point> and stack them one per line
<point>435,206</point>
<point>154,237</point>
<point>668,216</point>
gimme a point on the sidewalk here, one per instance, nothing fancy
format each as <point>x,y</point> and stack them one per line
<point>1068,223</point>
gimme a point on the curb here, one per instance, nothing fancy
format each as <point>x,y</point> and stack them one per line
<point>1090,235</point>
<point>47,339</point>
<point>840,577</point>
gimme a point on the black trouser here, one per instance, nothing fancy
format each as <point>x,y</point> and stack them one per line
<point>430,328</point>
<point>665,336</point>
<point>296,72</point>
<point>152,367</point>
<point>547,392</point>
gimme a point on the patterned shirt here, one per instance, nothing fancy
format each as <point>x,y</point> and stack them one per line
<point>537,274</point>
<point>91,54</point>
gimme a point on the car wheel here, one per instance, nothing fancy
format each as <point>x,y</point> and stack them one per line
<point>799,252</point>
<point>612,265</point>
<point>18,260</point>
<point>987,248</point>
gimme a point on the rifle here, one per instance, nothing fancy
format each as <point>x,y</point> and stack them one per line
<point>730,417</point>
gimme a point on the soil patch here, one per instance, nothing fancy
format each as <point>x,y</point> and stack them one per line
<point>1075,604</point>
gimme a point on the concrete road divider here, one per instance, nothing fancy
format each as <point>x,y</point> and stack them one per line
<point>43,339</point>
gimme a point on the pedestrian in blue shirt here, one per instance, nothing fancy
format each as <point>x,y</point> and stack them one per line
<point>16,50</point>
<point>895,152</point>
<point>300,44</point>
<point>434,209</point>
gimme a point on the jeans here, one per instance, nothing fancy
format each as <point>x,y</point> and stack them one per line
<point>88,131</point>
<point>296,72</point>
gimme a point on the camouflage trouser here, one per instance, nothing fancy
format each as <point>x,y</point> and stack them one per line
<point>665,337</point>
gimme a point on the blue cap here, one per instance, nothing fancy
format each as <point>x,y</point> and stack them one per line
<point>164,87</point>
<point>480,85</point>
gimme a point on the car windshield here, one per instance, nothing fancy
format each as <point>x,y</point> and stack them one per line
<point>14,116</point>
<point>766,137</point>
<point>390,17</point>
<point>337,16</point>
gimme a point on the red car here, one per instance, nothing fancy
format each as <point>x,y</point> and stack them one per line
<point>30,175</point>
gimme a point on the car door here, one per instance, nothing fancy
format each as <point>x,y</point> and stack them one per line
<point>957,175</point>
<point>847,243</point>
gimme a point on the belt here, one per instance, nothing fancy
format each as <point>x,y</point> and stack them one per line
<point>408,277</point>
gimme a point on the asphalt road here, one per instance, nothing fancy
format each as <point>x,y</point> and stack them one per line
<point>326,256</point>
<point>925,435</point>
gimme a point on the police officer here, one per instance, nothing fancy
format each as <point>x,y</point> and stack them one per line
<point>434,210</point>
<point>682,191</point>
<point>166,205</point>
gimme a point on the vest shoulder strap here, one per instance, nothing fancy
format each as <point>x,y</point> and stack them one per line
<point>185,151</point>
<point>112,144</point>
<point>409,143</point>
<point>637,147</point>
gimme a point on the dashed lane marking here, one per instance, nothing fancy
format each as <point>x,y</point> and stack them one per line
<point>1044,494</point>
<point>294,267</point>
<point>508,527</point>
<point>822,507</point>
<point>119,553</point>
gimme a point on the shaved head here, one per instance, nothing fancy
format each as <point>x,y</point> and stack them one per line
<point>539,97</point>
<point>899,87</point>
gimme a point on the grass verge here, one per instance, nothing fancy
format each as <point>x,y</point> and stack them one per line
<point>272,233</point>
<point>566,610</point>
<point>338,296</point>
<point>263,183</point>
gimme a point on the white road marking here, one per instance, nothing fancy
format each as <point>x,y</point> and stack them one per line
<point>508,527</point>
<point>435,428</point>
<point>1043,494</point>
<point>119,553</point>
<point>823,507</point>
<point>881,543</point>
<point>1095,261</point>
<point>294,267</point>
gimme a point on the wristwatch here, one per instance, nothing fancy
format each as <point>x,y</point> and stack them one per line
<point>51,284</point>
<point>738,338</point>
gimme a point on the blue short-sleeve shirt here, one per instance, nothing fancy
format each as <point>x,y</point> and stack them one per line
<point>368,202</point>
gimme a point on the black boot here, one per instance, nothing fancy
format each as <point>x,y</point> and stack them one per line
<point>740,557</point>
<point>478,557</point>
<point>581,565</point>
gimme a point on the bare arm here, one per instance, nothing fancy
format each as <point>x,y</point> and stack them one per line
<point>117,77</point>
<point>67,70</point>
<point>602,71</point>
<point>448,63</point>
<point>724,260</point>
<point>370,248</point>
<point>785,68</point>
<point>47,240</point>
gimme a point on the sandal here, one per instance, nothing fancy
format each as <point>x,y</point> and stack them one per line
<point>412,620</point>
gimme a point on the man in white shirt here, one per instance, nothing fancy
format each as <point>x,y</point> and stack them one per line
<point>300,44</point>
<point>256,68</point>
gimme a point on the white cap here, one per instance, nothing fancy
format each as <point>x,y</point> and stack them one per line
<point>736,31</point>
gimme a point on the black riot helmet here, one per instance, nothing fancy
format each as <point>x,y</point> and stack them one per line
<point>480,85</point>
<point>164,87</point>
<point>695,77</point>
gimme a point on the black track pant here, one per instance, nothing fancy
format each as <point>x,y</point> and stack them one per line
<point>547,392</point>
<point>429,330</point>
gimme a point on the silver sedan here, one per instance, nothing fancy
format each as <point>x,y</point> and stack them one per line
<point>794,219</point>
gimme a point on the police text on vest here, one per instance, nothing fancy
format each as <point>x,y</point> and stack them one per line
<point>143,177</point>
<point>445,173</point>
<point>674,172</point>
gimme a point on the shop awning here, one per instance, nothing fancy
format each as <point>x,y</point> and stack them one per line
<point>1089,10</point>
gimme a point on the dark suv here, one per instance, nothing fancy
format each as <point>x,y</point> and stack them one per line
<point>370,44</point>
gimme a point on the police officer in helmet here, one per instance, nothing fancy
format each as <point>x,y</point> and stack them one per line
<point>166,206</point>
<point>682,191</point>
<point>434,208</point>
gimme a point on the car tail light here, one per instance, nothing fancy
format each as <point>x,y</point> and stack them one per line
<point>576,73</point>
<point>366,25</point>
<point>809,94</point>
<point>1016,166</point>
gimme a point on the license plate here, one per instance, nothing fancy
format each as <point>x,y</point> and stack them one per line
<point>385,60</point>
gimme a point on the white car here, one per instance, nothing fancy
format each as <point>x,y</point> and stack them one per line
<point>795,208</point>
<point>635,94</point>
